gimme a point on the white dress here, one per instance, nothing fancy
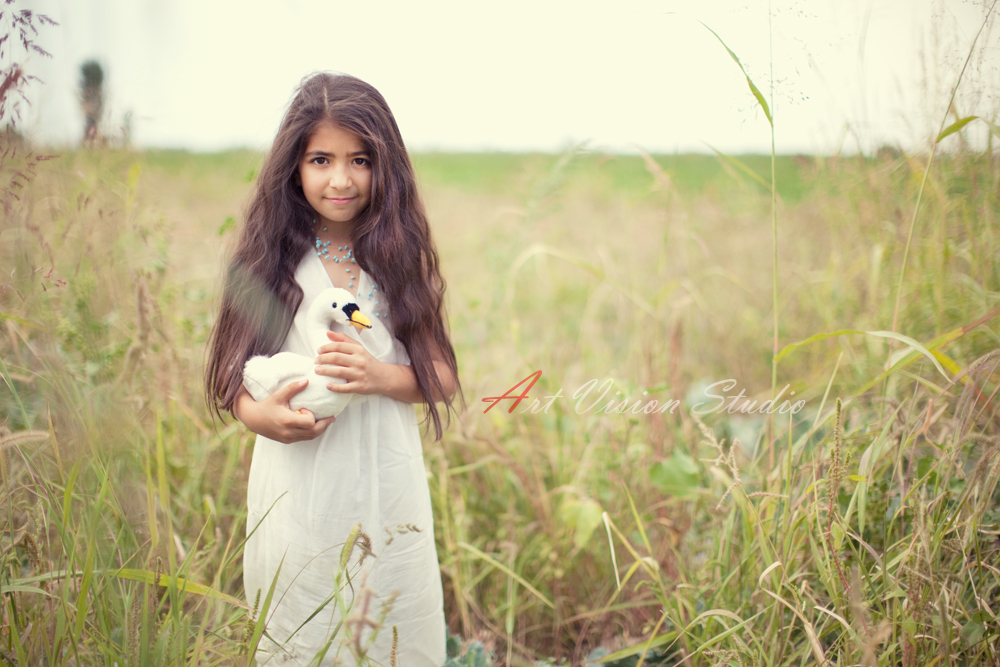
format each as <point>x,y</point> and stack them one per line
<point>367,468</point>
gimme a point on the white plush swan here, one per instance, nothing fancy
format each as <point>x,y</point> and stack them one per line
<point>262,376</point>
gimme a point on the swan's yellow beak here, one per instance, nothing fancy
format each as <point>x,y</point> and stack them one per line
<point>360,321</point>
<point>355,317</point>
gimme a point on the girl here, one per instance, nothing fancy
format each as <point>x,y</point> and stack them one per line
<point>338,177</point>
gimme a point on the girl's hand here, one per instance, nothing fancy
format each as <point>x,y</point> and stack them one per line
<point>274,419</point>
<point>347,359</point>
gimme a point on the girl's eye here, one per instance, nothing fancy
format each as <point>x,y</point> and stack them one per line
<point>361,161</point>
<point>320,160</point>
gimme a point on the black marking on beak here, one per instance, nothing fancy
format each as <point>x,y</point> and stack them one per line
<point>349,310</point>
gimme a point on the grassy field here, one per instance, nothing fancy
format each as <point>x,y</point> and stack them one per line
<point>863,529</point>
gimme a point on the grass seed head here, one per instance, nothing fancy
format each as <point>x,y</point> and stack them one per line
<point>134,625</point>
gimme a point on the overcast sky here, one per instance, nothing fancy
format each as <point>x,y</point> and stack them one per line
<point>526,74</point>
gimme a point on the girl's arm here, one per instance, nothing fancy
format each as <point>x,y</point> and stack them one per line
<point>364,374</point>
<point>272,418</point>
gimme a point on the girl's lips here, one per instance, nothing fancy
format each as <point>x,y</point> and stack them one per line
<point>340,200</point>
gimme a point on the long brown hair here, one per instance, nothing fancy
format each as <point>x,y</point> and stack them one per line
<point>392,242</point>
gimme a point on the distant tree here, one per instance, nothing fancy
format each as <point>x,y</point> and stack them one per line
<point>91,98</point>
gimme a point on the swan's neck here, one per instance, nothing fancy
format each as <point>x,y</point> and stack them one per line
<point>318,321</point>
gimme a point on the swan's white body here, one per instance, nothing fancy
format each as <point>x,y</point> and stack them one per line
<point>262,376</point>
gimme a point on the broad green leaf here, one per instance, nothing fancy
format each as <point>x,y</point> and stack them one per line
<point>582,517</point>
<point>836,535</point>
<point>973,632</point>
<point>227,224</point>
<point>588,518</point>
<point>976,627</point>
<point>677,475</point>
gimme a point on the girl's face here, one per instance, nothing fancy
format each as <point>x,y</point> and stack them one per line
<point>336,176</point>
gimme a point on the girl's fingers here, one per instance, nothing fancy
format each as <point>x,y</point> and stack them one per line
<point>348,347</point>
<point>346,373</point>
<point>311,430</point>
<point>346,359</point>
<point>343,387</point>
<point>284,394</point>
<point>302,420</point>
<point>334,359</point>
<point>323,423</point>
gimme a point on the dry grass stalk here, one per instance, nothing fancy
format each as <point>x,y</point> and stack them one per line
<point>723,460</point>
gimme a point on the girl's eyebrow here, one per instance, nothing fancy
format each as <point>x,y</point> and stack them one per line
<point>319,153</point>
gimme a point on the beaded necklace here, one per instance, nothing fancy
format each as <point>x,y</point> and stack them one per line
<point>323,252</point>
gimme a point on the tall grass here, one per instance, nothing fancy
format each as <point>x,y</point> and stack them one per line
<point>871,537</point>
<point>536,484</point>
<point>114,465</point>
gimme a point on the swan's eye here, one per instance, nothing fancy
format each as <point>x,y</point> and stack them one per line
<point>334,304</point>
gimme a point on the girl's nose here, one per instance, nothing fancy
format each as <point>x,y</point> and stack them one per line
<point>340,177</point>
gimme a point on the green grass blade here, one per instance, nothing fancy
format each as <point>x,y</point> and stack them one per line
<point>671,636</point>
<point>913,344</point>
<point>89,559</point>
<point>258,628</point>
<point>655,642</point>
<point>954,127</point>
<point>149,577</point>
<point>753,89</point>
<point>741,166</point>
<point>503,568</point>
<point>993,127</point>
<point>791,347</point>
<point>17,588</point>
<point>13,390</point>
<point>239,547</point>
